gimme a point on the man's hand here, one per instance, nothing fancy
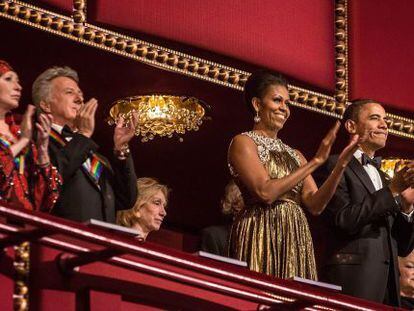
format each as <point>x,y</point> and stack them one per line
<point>123,134</point>
<point>407,200</point>
<point>403,178</point>
<point>85,120</point>
<point>409,174</point>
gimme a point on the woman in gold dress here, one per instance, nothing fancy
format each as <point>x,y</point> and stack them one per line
<point>271,234</point>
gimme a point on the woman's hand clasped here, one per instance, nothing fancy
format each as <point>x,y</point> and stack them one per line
<point>26,126</point>
<point>43,126</point>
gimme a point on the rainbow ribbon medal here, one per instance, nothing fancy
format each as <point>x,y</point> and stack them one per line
<point>19,161</point>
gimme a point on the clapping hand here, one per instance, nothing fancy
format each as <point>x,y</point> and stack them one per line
<point>407,195</point>
<point>26,126</point>
<point>407,200</point>
<point>325,147</point>
<point>43,126</point>
<point>347,154</point>
<point>408,174</point>
<point>85,120</point>
<point>124,132</point>
<point>403,178</point>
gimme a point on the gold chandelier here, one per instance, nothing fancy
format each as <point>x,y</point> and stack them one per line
<point>162,115</point>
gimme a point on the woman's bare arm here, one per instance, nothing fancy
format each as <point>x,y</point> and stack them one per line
<point>314,199</point>
<point>244,158</point>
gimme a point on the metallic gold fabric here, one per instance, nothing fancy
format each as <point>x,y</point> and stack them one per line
<point>274,238</point>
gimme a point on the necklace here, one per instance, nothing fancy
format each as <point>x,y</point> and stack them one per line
<point>263,134</point>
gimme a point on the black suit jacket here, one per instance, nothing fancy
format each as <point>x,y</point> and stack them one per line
<point>215,240</point>
<point>81,198</point>
<point>365,234</point>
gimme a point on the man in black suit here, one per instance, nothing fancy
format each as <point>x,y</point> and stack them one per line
<point>92,186</point>
<point>215,239</point>
<point>369,217</point>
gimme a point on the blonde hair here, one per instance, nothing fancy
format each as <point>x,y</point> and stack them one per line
<point>232,197</point>
<point>147,187</point>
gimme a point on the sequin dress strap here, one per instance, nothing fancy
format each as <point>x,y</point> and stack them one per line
<point>265,145</point>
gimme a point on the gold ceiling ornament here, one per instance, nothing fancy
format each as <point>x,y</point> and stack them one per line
<point>154,55</point>
<point>390,165</point>
<point>162,115</point>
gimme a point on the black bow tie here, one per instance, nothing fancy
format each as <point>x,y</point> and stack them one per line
<point>376,161</point>
<point>67,132</point>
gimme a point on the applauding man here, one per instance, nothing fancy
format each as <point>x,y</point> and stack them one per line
<point>370,215</point>
<point>92,186</point>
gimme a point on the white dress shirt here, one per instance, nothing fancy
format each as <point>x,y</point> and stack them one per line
<point>371,170</point>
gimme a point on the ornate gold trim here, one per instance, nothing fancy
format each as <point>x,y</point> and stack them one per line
<point>314,101</point>
<point>398,126</point>
<point>126,46</point>
<point>181,63</point>
<point>341,51</point>
<point>79,11</point>
<point>22,268</point>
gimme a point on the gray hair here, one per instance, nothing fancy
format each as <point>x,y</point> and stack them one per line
<point>42,86</point>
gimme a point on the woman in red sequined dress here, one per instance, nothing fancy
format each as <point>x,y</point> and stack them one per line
<point>27,179</point>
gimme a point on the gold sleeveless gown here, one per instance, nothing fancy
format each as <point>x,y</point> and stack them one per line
<point>274,238</point>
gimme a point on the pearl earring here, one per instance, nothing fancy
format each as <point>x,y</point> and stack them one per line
<point>256,118</point>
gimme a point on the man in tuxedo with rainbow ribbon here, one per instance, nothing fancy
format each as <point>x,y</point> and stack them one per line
<point>93,186</point>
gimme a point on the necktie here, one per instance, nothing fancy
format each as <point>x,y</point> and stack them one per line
<point>67,132</point>
<point>376,161</point>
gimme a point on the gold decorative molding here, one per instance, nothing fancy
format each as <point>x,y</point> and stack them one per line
<point>397,125</point>
<point>400,126</point>
<point>314,101</point>
<point>21,285</point>
<point>77,29</point>
<point>341,51</point>
<point>119,44</point>
<point>79,11</point>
